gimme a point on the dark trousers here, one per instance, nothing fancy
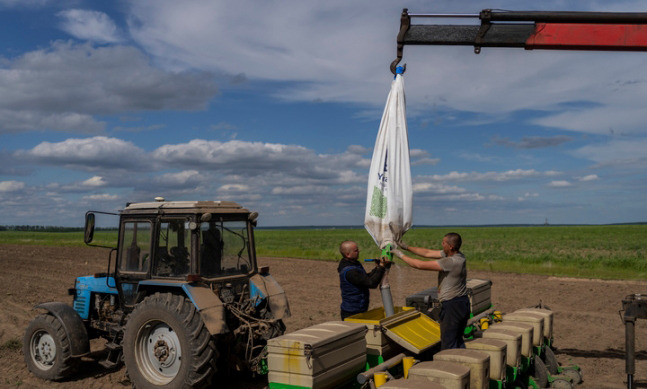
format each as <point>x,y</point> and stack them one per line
<point>453,320</point>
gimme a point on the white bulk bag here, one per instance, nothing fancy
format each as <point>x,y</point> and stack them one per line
<point>389,197</point>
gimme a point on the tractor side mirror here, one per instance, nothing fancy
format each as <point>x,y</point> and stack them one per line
<point>252,218</point>
<point>89,228</point>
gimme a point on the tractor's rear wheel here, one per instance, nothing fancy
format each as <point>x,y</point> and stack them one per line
<point>166,344</point>
<point>46,349</point>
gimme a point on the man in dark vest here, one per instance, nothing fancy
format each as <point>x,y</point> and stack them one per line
<point>354,281</point>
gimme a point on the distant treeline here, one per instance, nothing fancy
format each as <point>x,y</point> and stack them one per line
<point>41,228</point>
<point>51,228</point>
<point>76,229</point>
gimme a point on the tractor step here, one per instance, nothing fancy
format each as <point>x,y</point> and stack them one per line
<point>112,346</point>
<point>108,365</point>
<point>113,359</point>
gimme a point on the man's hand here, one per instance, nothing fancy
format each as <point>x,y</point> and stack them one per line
<point>397,253</point>
<point>402,245</point>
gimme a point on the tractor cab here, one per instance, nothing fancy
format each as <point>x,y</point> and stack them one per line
<point>180,241</point>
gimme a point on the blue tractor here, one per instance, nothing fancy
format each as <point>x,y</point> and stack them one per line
<point>183,297</point>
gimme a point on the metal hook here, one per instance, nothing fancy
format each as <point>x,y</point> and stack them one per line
<point>405,22</point>
<point>394,67</point>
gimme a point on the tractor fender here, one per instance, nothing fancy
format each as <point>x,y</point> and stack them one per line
<point>210,307</point>
<point>72,324</point>
<point>267,287</point>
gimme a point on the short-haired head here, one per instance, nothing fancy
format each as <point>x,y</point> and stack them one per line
<point>454,240</point>
<point>346,247</point>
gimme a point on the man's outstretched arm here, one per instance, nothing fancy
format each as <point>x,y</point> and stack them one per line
<point>417,263</point>
<point>370,280</point>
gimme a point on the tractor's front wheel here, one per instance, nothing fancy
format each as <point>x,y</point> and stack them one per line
<point>46,349</point>
<point>166,344</point>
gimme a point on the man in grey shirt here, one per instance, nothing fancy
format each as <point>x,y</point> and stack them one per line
<point>452,288</point>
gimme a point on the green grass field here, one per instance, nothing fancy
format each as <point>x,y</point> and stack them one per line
<point>608,252</point>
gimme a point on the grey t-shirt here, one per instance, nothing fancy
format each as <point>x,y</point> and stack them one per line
<point>453,279</point>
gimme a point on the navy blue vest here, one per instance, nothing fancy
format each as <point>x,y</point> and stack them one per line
<point>353,299</point>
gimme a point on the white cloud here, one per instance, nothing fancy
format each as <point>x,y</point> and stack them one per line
<point>425,161</point>
<point>285,174</point>
<point>418,153</point>
<point>300,190</point>
<point>421,157</point>
<point>509,175</point>
<point>27,119</point>
<point>259,159</point>
<point>63,87</point>
<point>101,197</point>
<point>87,154</point>
<point>608,120</point>
<point>234,188</point>
<point>179,179</point>
<point>465,197</point>
<point>559,184</point>
<point>436,188</point>
<point>357,149</point>
<point>342,51</point>
<point>11,186</point>
<point>532,142</point>
<point>590,177</point>
<point>219,36</point>
<point>630,152</point>
<point>95,181</point>
<point>25,3</point>
<point>527,195</point>
<point>208,152</point>
<point>89,25</point>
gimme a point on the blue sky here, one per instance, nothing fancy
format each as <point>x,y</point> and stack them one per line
<point>276,105</point>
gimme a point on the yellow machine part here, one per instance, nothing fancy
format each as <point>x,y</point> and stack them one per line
<point>375,316</point>
<point>411,329</point>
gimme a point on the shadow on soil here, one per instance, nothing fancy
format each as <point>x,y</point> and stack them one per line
<point>90,368</point>
<point>608,353</point>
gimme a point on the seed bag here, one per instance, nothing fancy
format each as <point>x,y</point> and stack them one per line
<point>389,197</point>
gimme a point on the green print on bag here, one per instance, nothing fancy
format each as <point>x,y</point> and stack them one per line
<point>378,203</point>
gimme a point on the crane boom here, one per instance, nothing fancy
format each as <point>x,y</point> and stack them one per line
<point>531,30</point>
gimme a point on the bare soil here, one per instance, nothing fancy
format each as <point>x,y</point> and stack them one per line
<point>588,327</point>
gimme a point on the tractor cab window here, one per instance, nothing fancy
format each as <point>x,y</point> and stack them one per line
<point>224,248</point>
<point>172,257</point>
<point>135,247</point>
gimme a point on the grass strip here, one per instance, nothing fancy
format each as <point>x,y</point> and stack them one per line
<point>607,252</point>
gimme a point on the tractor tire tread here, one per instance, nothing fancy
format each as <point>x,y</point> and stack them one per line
<point>202,352</point>
<point>65,364</point>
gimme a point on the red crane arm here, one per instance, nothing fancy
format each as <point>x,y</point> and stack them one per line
<point>531,30</point>
<point>572,36</point>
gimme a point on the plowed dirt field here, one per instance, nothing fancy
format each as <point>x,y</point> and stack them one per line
<point>588,328</point>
